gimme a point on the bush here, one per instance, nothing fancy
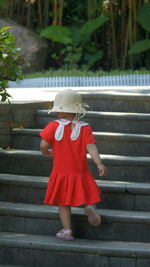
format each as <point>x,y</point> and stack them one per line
<point>10,62</point>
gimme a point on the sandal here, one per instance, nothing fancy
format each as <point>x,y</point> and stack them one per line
<point>93,217</point>
<point>65,235</point>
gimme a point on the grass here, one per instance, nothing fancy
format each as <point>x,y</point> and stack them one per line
<point>75,73</point>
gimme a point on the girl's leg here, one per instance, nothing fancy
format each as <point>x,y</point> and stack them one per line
<point>65,216</point>
<point>93,217</point>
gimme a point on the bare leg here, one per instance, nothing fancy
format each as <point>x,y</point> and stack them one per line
<point>65,216</point>
<point>93,217</point>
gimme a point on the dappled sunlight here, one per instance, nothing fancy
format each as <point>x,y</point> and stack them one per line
<point>48,93</point>
<point>121,90</point>
<point>10,235</point>
<point>31,94</point>
<point>115,182</point>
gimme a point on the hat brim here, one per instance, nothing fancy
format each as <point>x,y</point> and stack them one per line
<point>68,110</point>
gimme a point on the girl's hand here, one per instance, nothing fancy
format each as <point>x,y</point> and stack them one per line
<point>101,169</point>
<point>48,153</point>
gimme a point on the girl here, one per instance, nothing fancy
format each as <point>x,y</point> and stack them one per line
<point>71,183</point>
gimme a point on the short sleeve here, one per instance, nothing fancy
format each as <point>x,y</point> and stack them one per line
<point>88,136</point>
<point>48,132</point>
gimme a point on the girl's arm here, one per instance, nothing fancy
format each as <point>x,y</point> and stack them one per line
<point>44,147</point>
<point>93,151</point>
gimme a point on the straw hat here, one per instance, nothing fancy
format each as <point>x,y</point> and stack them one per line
<point>69,101</point>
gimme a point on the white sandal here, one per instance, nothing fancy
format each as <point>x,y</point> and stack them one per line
<point>65,235</point>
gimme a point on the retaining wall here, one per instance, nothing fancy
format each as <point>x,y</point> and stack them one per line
<point>20,115</point>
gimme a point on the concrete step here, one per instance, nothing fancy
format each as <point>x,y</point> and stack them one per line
<point>38,250</point>
<point>107,142</point>
<point>121,168</point>
<point>115,195</point>
<point>119,122</point>
<point>4,265</point>
<point>41,219</point>
<point>117,102</point>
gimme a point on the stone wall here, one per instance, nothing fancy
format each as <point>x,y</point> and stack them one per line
<point>17,115</point>
<point>34,48</point>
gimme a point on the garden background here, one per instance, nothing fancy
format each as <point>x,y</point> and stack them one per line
<point>88,35</point>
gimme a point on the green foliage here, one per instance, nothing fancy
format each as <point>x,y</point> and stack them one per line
<point>64,35</point>
<point>140,46</point>
<point>91,26</point>
<point>73,56</point>
<point>82,39</point>
<point>85,30</point>
<point>10,61</point>
<point>144,16</point>
<point>76,39</point>
<point>92,58</point>
<point>58,34</point>
<point>83,73</point>
<point>3,4</point>
<point>92,8</point>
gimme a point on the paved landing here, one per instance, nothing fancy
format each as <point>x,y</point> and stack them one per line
<point>21,95</point>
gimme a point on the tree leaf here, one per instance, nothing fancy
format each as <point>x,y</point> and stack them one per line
<point>4,4</point>
<point>10,62</point>
<point>139,47</point>
<point>5,28</point>
<point>11,39</point>
<point>91,26</point>
<point>92,58</point>
<point>144,16</point>
<point>91,48</point>
<point>58,34</point>
<point>75,36</point>
<point>74,58</point>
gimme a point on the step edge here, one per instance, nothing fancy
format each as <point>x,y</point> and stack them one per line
<point>116,115</point>
<point>42,211</point>
<point>105,136</point>
<point>106,186</point>
<point>108,158</point>
<point>107,248</point>
<point>137,97</point>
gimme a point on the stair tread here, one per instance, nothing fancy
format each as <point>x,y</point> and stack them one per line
<point>130,96</point>
<point>4,265</point>
<point>46,211</point>
<point>108,186</point>
<point>137,160</point>
<point>109,248</point>
<point>129,115</point>
<point>130,219</point>
<point>107,135</point>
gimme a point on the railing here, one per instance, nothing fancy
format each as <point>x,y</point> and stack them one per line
<point>116,80</point>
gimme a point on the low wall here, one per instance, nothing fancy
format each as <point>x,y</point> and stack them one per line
<point>17,115</point>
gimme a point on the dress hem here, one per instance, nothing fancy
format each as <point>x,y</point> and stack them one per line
<point>73,205</point>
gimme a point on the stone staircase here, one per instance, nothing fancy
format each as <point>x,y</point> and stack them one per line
<point>121,127</point>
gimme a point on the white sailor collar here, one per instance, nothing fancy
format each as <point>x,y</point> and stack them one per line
<point>75,131</point>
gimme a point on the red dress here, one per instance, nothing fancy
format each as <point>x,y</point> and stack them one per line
<point>71,182</point>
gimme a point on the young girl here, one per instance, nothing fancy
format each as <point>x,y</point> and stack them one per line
<point>71,183</point>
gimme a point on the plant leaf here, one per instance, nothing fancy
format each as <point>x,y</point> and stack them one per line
<point>74,58</point>
<point>92,58</point>
<point>91,26</point>
<point>58,34</point>
<point>144,16</point>
<point>4,4</point>
<point>139,47</point>
<point>5,28</point>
